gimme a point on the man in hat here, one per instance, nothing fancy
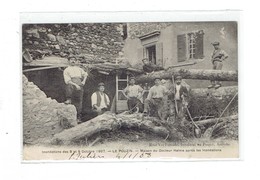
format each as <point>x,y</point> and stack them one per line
<point>217,57</point>
<point>75,78</point>
<point>154,101</point>
<point>100,100</point>
<point>149,67</point>
<point>134,93</point>
<point>179,95</point>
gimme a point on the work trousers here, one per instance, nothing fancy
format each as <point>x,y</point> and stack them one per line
<point>154,107</point>
<point>217,65</point>
<point>97,113</point>
<point>76,97</point>
<point>133,103</point>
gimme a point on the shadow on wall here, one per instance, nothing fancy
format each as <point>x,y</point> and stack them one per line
<point>51,82</point>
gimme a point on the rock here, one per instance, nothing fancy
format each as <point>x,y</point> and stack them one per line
<point>70,50</point>
<point>57,47</point>
<point>75,34</point>
<point>51,37</point>
<point>36,43</point>
<point>78,39</point>
<point>93,46</point>
<point>61,40</point>
<point>121,54</point>
<point>33,33</point>
<point>105,42</point>
<point>42,30</point>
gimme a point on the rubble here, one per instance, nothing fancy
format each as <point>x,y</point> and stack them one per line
<point>43,117</point>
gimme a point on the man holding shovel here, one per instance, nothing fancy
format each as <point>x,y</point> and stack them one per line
<point>179,95</point>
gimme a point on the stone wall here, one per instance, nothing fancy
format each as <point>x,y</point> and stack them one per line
<point>91,41</point>
<point>136,30</point>
<point>43,117</point>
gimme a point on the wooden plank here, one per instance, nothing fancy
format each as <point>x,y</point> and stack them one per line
<point>41,68</point>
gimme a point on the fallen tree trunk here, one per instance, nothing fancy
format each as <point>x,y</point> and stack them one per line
<point>227,127</point>
<point>107,122</point>
<point>202,74</point>
<point>213,121</point>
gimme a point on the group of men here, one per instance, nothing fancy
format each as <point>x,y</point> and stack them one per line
<point>75,78</point>
<point>154,103</point>
<point>178,93</point>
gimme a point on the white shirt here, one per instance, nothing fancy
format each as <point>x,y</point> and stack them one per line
<point>73,72</point>
<point>177,94</point>
<point>157,92</point>
<point>102,102</point>
<point>133,90</point>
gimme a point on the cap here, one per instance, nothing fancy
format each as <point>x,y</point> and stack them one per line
<point>157,78</point>
<point>177,76</point>
<point>215,43</point>
<point>145,59</point>
<point>131,78</point>
<point>71,56</point>
<point>101,84</point>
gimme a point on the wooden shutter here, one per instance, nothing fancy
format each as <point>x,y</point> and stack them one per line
<point>181,44</point>
<point>159,54</point>
<point>199,45</point>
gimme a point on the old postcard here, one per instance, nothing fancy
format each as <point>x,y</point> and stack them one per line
<point>160,90</point>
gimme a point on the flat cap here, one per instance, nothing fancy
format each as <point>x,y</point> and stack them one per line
<point>132,78</point>
<point>101,84</point>
<point>215,43</point>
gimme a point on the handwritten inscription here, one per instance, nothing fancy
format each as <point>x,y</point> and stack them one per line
<point>133,155</point>
<point>77,155</point>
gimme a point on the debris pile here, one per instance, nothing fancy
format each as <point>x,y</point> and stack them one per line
<point>43,117</point>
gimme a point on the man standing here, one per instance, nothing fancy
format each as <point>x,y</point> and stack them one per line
<point>180,96</point>
<point>75,78</point>
<point>149,67</point>
<point>154,101</point>
<point>217,57</point>
<point>99,100</point>
<point>133,93</point>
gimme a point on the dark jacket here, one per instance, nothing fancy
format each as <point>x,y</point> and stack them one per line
<point>183,92</point>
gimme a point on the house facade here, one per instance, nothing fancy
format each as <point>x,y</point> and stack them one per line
<point>181,44</point>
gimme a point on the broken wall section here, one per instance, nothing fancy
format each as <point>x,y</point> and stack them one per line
<point>43,117</point>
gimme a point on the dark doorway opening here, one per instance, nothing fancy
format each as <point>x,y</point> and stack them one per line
<point>151,53</point>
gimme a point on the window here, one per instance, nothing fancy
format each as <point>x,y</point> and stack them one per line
<point>152,49</point>
<point>151,53</point>
<point>190,46</point>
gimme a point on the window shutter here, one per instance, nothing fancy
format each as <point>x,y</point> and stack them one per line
<point>159,54</point>
<point>199,45</point>
<point>181,44</point>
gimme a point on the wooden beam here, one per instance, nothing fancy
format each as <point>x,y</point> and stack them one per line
<point>42,68</point>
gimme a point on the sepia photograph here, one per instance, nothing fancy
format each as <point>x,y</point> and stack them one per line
<point>130,90</point>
